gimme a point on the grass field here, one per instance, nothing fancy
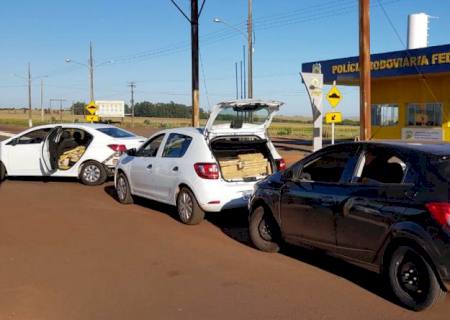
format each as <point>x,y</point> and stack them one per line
<point>283,128</point>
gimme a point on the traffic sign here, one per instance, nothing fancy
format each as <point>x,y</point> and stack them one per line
<point>333,117</point>
<point>92,118</point>
<point>334,96</point>
<point>91,107</point>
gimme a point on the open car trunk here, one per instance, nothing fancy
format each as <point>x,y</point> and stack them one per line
<point>242,158</point>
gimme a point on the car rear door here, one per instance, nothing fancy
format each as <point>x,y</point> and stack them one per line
<point>144,166</point>
<point>377,197</point>
<point>310,200</point>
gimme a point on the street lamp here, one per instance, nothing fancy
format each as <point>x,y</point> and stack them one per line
<point>90,66</point>
<point>249,40</point>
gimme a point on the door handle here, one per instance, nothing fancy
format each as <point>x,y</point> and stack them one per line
<point>149,166</point>
<point>175,169</point>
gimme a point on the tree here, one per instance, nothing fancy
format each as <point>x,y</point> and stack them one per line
<point>78,108</point>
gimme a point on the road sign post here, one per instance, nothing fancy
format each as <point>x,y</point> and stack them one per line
<point>91,108</point>
<point>334,96</point>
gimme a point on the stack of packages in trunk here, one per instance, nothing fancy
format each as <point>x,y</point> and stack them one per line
<point>245,166</point>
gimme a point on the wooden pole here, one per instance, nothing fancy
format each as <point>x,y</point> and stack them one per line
<point>195,65</point>
<point>364,62</point>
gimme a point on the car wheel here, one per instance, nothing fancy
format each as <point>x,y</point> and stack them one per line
<point>412,279</point>
<point>93,173</point>
<point>123,189</point>
<point>188,209</point>
<point>264,231</point>
<point>2,172</point>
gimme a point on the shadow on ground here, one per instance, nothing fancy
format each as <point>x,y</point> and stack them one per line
<point>234,223</point>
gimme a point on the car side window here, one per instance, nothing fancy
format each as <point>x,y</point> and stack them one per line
<point>326,168</point>
<point>176,145</point>
<point>379,166</point>
<point>151,147</point>
<point>34,137</point>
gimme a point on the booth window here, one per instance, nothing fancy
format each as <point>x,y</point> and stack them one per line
<point>384,115</point>
<point>424,114</point>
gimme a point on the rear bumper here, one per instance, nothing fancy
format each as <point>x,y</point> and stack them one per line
<point>218,195</point>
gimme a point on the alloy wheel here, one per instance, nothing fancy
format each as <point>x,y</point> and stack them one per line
<point>121,188</point>
<point>91,173</point>
<point>185,206</point>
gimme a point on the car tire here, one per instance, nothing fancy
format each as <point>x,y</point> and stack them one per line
<point>93,173</point>
<point>2,172</point>
<point>413,280</point>
<point>123,189</point>
<point>264,231</point>
<point>188,209</point>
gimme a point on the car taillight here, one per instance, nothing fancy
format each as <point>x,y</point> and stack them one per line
<point>281,164</point>
<point>440,211</point>
<point>118,147</point>
<point>207,170</point>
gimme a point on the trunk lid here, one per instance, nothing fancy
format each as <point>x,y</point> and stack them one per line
<point>241,117</point>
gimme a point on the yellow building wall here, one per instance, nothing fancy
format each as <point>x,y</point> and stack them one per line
<point>404,90</point>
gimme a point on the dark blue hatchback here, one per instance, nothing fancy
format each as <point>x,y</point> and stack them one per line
<point>381,205</point>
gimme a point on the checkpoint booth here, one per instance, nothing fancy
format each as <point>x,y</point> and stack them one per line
<point>410,91</point>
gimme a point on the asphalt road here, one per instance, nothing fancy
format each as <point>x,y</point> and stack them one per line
<point>68,251</point>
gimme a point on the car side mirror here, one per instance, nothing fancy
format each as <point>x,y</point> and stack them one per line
<point>131,152</point>
<point>13,142</point>
<point>288,175</point>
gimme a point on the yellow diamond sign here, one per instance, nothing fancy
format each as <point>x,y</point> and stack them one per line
<point>333,117</point>
<point>334,96</point>
<point>91,107</point>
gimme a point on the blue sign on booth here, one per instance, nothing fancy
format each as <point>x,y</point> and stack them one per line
<point>428,60</point>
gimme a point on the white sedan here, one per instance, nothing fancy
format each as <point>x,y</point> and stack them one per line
<point>87,151</point>
<point>209,169</point>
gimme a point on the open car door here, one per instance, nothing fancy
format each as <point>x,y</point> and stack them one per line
<point>241,117</point>
<point>50,163</point>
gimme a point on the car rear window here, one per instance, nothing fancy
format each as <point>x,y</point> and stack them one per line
<point>116,132</point>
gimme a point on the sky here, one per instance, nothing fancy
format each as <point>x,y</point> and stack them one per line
<point>149,42</point>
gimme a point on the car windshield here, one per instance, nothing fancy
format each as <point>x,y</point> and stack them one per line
<point>116,132</point>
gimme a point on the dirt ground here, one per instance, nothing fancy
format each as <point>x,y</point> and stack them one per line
<point>68,251</point>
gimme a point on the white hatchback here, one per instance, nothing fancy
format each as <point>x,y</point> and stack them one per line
<point>209,169</point>
<point>87,151</point>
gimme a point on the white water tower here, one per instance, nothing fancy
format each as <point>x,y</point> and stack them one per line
<point>418,30</point>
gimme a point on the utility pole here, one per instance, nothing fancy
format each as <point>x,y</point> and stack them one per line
<point>243,62</point>
<point>364,75</point>
<point>30,120</point>
<point>250,49</point>
<point>91,73</point>
<point>195,14</point>
<point>42,100</point>
<point>241,82</point>
<point>60,107</point>
<point>132,85</point>
<point>195,65</point>
<point>237,85</point>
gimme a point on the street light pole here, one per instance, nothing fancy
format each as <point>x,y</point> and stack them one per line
<point>30,120</point>
<point>42,100</point>
<point>91,73</point>
<point>250,49</point>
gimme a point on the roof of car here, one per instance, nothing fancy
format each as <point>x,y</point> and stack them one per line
<point>184,130</point>
<point>434,148</point>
